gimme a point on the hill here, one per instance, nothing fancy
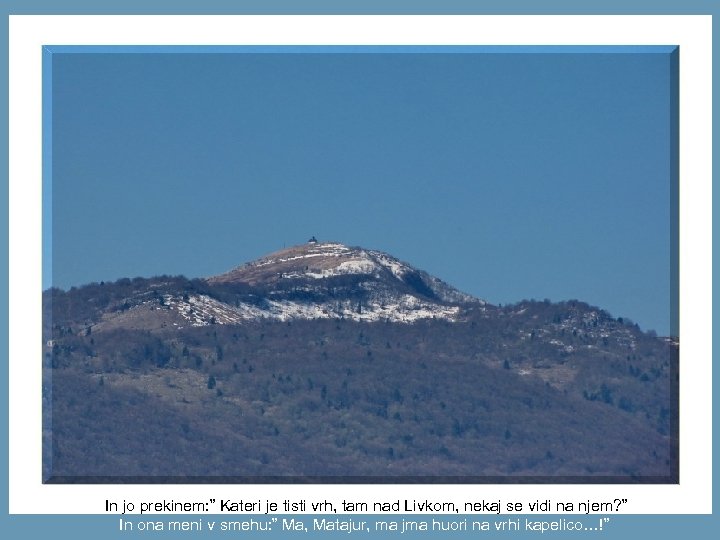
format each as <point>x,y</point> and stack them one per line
<point>328,363</point>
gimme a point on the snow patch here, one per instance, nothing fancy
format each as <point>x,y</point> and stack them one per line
<point>396,267</point>
<point>201,310</point>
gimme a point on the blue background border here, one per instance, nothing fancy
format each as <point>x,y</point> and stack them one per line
<point>79,527</point>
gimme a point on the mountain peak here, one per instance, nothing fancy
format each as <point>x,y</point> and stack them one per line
<point>333,261</point>
<point>315,280</point>
<point>310,260</point>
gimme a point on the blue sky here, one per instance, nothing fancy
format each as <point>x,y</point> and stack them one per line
<point>510,175</point>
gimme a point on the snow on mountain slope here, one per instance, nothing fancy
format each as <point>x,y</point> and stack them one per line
<point>201,310</point>
<point>330,259</point>
<point>331,280</point>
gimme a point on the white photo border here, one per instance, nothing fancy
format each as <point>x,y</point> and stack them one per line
<point>28,35</point>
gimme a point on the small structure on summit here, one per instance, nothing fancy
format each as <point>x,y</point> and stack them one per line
<point>313,240</point>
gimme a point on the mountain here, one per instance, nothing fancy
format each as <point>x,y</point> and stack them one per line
<point>311,281</point>
<point>329,270</point>
<point>348,354</point>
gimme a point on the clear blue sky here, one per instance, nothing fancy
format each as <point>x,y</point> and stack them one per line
<point>508,175</point>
